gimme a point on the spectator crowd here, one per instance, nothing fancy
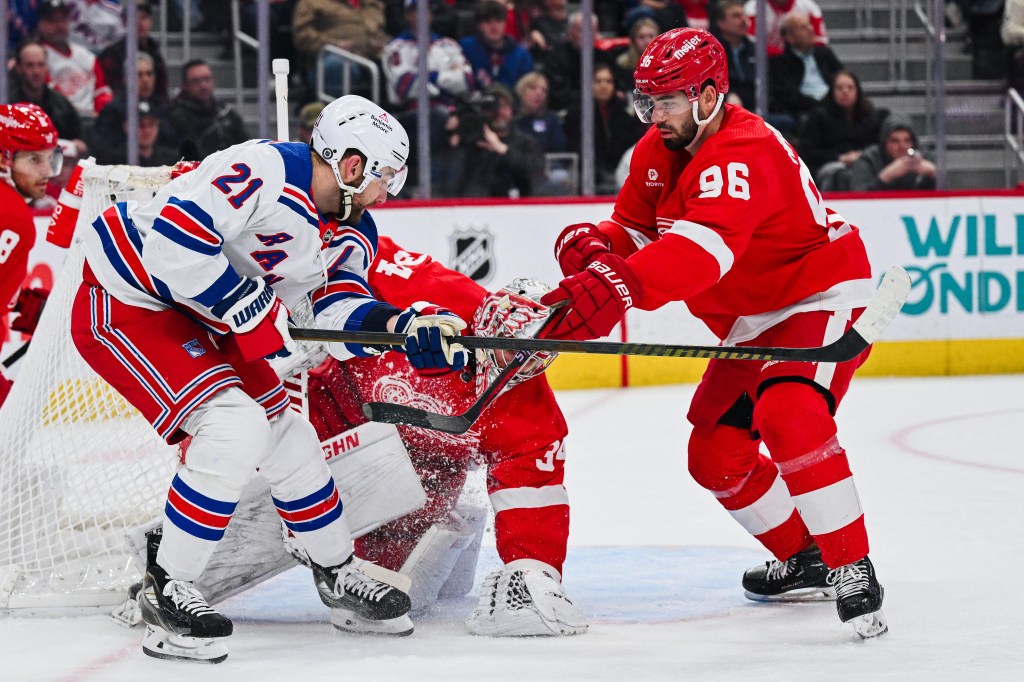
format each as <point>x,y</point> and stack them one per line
<point>503,86</point>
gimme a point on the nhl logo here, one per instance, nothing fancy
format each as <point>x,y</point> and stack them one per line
<point>472,253</point>
<point>328,236</point>
<point>652,174</point>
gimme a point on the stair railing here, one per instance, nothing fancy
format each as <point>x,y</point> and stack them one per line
<point>1013,111</point>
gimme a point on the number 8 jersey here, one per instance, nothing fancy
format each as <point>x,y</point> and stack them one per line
<point>247,211</point>
<point>740,231</point>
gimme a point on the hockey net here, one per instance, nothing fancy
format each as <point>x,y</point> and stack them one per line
<point>79,466</point>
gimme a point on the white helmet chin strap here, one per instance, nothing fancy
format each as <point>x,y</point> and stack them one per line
<point>701,124</point>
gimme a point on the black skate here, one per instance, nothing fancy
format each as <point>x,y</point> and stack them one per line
<point>360,603</point>
<point>859,597</point>
<point>802,577</point>
<point>180,624</point>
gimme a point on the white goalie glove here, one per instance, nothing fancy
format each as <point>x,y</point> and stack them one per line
<point>514,311</point>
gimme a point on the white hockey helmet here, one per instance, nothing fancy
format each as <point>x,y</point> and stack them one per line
<point>354,122</point>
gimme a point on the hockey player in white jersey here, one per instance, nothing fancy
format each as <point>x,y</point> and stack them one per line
<point>184,296</point>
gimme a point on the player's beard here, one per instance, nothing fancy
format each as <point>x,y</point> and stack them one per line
<point>356,214</point>
<point>681,136</point>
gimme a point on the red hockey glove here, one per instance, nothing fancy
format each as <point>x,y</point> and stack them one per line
<point>599,296</point>
<point>259,321</point>
<point>578,246</point>
<point>29,307</point>
<point>430,339</point>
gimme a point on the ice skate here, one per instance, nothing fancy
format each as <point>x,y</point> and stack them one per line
<point>128,614</point>
<point>802,577</point>
<point>525,599</point>
<point>859,598</point>
<point>362,604</point>
<point>180,624</point>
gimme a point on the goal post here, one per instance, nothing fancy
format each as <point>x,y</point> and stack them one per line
<point>79,466</point>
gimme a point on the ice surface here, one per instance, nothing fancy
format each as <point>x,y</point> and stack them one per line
<point>655,564</point>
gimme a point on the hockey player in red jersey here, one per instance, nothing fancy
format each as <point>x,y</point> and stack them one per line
<point>29,158</point>
<point>519,438</point>
<point>720,212</point>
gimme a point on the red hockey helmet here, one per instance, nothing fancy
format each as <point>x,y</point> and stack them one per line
<point>25,128</point>
<point>682,59</point>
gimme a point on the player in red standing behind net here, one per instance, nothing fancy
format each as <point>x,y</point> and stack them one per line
<point>720,212</point>
<point>29,158</point>
<point>519,438</point>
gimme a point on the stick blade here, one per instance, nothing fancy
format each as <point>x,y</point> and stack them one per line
<point>393,413</point>
<point>889,299</point>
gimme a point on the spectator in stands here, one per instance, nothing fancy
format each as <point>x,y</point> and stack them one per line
<point>356,26</point>
<point>984,17</point>
<point>641,33</point>
<point>616,129</point>
<point>836,132</point>
<point>667,14</point>
<point>494,56</point>
<point>307,119</point>
<point>799,77</point>
<point>489,157</point>
<point>894,163</point>
<point>563,66</point>
<point>730,26</point>
<point>109,131</point>
<point>21,22</point>
<point>151,152</point>
<point>31,84</point>
<point>95,24</point>
<point>449,71</point>
<point>776,11</point>
<point>697,13</point>
<point>203,124</point>
<point>1012,33</point>
<point>280,15</point>
<point>112,58</point>
<point>548,29</point>
<point>74,70</point>
<point>534,118</point>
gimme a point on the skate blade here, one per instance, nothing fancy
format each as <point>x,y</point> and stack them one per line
<point>810,594</point>
<point>159,643</point>
<point>348,621</point>
<point>870,625</point>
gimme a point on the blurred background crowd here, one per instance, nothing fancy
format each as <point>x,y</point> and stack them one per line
<point>505,81</point>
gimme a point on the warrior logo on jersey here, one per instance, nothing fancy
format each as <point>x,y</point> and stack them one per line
<point>472,253</point>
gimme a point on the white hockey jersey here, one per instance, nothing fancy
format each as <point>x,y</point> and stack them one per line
<point>246,211</point>
<point>449,72</point>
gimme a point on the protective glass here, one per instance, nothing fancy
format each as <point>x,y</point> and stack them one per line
<point>646,106</point>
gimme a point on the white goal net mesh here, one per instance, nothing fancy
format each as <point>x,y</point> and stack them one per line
<point>79,466</point>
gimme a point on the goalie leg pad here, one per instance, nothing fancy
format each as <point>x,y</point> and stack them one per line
<point>525,599</point>
<point>432,562</point>
<point>463,574</point>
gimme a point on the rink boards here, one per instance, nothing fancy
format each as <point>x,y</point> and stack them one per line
<point>964,252</point>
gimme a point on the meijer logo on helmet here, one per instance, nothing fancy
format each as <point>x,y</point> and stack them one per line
<point>687,46</point>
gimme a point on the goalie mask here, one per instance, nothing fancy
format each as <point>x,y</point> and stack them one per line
<point>514,311</point>
<point>354,122</point>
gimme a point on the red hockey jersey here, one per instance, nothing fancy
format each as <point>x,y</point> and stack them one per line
<point>17,237</point>
<point>739,231</point>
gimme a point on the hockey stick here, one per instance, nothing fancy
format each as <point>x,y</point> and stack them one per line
<point>393,413</point>
<point>880,311</point>
<point>16,355</point>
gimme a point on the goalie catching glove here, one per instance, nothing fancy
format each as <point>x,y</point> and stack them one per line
<point>258,319</point>
<point>599,296</point>
<point>430,331</point>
